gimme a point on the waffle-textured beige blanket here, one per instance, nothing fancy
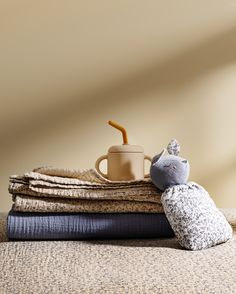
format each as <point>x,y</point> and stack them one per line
<point>117,266</point>
<point>59,190</point>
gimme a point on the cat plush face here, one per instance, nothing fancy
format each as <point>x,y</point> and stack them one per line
<point>169,170</point>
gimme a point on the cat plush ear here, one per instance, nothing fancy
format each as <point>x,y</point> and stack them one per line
<point>173,147</point>
<point>158,156</point>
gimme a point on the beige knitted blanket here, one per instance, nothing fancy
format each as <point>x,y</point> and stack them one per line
<point>59,190</point>
<point>43,204</point>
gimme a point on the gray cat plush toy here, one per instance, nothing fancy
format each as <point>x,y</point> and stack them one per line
<point>171,169</point>
<point>192,214</point>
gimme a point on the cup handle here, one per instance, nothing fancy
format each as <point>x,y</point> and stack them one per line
<point>97,164</point>
<point>146,157</point>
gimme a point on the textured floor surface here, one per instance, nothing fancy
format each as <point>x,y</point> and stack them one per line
<point>128,266</point>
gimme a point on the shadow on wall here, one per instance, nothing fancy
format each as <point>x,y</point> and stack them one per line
<point>164,77</point>
<point>219,175</point>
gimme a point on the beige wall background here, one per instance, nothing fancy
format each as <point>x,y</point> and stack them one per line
<point>163,69</point>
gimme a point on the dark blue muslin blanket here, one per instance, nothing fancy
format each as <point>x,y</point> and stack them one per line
<point>82,226</point>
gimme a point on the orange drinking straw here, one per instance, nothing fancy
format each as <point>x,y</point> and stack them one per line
<point>120,128</point>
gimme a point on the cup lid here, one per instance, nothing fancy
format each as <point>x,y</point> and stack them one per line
<point>126,148</point>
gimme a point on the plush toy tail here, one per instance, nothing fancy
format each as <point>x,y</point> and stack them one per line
<point>173,147</point>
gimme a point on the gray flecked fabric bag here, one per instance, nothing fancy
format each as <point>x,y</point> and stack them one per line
<point>194,218</point>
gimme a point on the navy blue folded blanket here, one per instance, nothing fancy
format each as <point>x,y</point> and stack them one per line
<point>84,226</point>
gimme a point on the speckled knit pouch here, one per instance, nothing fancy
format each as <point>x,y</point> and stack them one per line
<point>194,218</point>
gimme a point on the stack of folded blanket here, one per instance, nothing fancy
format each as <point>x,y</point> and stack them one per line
<point>65,204</point>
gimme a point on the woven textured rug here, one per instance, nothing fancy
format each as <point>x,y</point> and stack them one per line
<point>127,266</point>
